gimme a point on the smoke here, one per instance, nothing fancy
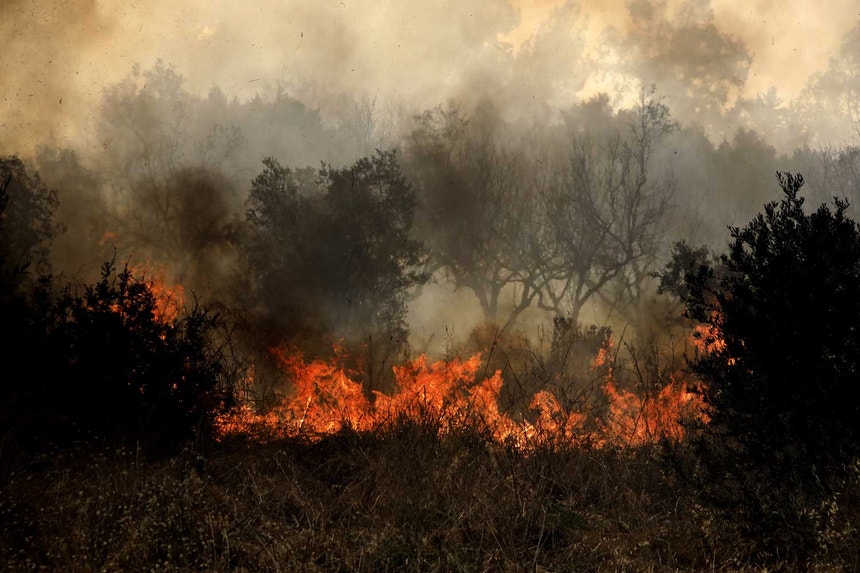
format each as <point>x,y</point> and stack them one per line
<point>58,56</point>
<point>44,57</point>
<point>789,40</point>
<point>308,81</point>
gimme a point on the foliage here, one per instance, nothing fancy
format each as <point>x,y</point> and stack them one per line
<point>333,247</point>
<point>26,222</point>
<point>782,307</point>
<point>111,366</point>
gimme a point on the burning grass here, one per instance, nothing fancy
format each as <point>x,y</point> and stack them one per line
<point>461,395</point>
<point>435,475</point>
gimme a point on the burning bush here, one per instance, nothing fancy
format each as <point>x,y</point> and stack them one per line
<point>113,364</point>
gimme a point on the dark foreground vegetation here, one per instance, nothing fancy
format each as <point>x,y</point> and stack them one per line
<point>747,492</point>
<point>111,453</point>
<point>406,500</point>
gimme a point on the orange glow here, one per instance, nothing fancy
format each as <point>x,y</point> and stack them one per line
<point>169,296</point>
<point>642,419</point>
<point>456,395</point>
<point>707,339</point>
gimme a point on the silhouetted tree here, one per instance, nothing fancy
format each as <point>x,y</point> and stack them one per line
<point>26,222</point>
<point>530,230</point>
<point>475,205</point>
<point>331,251</point>
<point>606,214</point>
<point>783,307</point>
<point>145,124</point>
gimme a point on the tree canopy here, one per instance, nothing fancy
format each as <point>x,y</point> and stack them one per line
<point>332,248</point>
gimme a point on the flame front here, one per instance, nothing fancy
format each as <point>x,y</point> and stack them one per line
<point>455,395</point>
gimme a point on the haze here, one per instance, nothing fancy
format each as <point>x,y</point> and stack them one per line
<point>57,57</point>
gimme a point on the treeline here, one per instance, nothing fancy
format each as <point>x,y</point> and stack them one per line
<point>553,220</point>
<point>173,172</point>
<point>556,219</point>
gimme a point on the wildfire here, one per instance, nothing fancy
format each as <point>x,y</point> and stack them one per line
<point>707,339</point>
<point>169,296</point>
<point>456,395</point>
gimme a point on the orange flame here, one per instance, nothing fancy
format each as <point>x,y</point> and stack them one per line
<point>643,419</point>
<point>169,296</point>
<point>453,395</point>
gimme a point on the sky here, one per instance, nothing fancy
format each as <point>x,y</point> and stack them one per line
<point>58,55</point>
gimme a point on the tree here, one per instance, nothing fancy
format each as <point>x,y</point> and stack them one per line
<point>144,124</point>
<point>782,311</point>
<point>522,229</point>
<point>605,214</point>
<point>331,251</point>
<point>26,222</point>
<point>474,202</point>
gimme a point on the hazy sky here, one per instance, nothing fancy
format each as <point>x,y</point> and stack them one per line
<point>58,55</point>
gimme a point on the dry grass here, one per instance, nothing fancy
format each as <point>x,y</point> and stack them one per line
<point>405,500</point>
<point>414,495</point>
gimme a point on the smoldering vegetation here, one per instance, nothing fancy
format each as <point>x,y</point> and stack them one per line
<point>605,259</point>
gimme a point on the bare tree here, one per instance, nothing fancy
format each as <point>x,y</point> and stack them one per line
<point>606,215</point>
<point>520,230</point>
<point>473,204</point>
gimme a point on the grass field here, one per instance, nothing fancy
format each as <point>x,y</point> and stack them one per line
<point>406,499</point>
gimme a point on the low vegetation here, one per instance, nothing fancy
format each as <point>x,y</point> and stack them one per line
<point>144,436</point>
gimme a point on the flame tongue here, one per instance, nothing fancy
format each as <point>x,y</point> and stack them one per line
<point>169,296</point>
<point>452,395</point>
